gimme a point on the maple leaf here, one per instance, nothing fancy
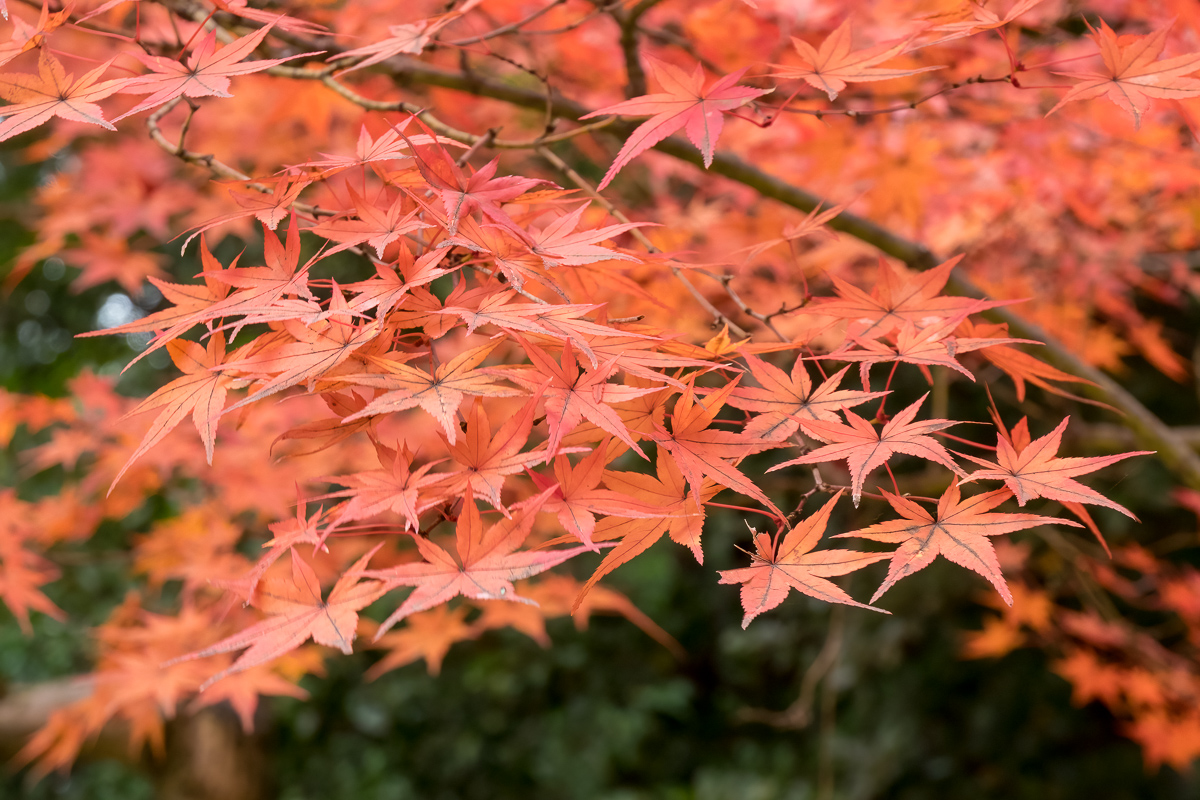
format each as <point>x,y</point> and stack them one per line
<point>814,222</point>
<point>269,208</point>
<point>930,346</point>
<point>573,395</point>
<point>428,635</point>
<point>390,284</point>
<point>391,145</point>
<point>790,564</point>
<point>488,563</point>
<point>700,451</point>
<point>510,253</point>
<point>557,244</point>
<point>1132,74</point>
<point>297,613</point>
<point>1034,471</point>
<point>982,19</point>
<point>201,391</point>
<point>896,299</point>
<point>206,73</point>
<point>488,459</point>
<point>959,531</point>
<point>1019,365</point>
<point>461,194</point>
<point>786,399</point>
<point>667,490</point>
<point>439,394</point>
<point>375,226</point>
<point>51,93</point>
<point>25,37</point>
<point>577,499</point>
<point>270,18</point>
<point>836,63</point>
<point>22,571</point>
<point>562,321</point>
<point>396,487</point>
<point>411,38</point>
<point>318,349</point>
<point>683,103</point>
<point>865,448</point>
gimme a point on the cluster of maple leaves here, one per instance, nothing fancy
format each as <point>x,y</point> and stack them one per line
<point>510,372</point>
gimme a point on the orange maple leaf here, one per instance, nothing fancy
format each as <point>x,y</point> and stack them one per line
<point>982,19</point>
<point>895,300</point>
<point>53,93</point>
<point>573,395</point>
<point>1132,74</point>
<point>1034,471</point>
<point>488,459</point>
<point>488,563</point>
<point>428,635</point>
<point>677,516</point>
<point>865,448</point>
<point>439,394</point>
<point>201,390</point>
<point>836,63</point>
<point>577,499</point>
<point>396,487</point>
<point>206,73</point>
<point>780,567</point>
<point>703,452</point>
<point>959,532</point>
<point>786,399</point>
<point>683,103</point>
<point>297,614</point>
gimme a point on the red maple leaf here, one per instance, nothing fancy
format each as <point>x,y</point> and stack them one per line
<point>488,562</point>
<point>1132,75</point>
<point>51,93</point>
<point>959,531</point>
<point>786,399</point>
<point>297,614</point>
<point>1034,471</point>
<point>780,567</point>
<point>864,448</point>
<point>683,103</point>
<point>833,65</point>
<point>206,73</point>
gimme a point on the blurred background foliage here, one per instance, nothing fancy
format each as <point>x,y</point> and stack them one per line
<point>607,712</point>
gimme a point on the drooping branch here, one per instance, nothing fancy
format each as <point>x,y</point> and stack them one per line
<point>1151,430</point>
